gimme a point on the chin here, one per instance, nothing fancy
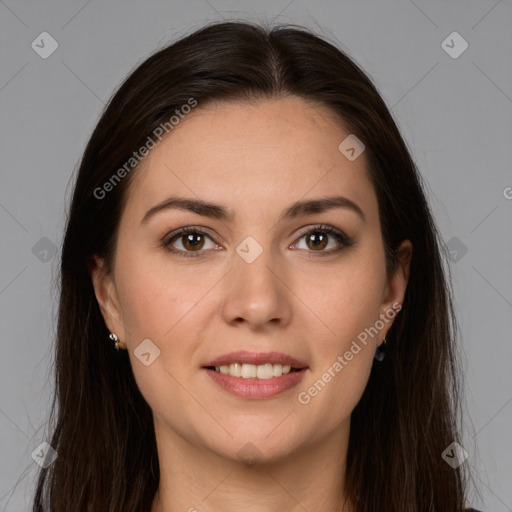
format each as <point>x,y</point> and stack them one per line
<point>254,446</point>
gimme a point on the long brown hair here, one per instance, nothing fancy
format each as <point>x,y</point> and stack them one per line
<point>410,410</point>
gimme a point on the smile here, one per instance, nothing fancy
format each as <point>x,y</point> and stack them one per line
<point>255,375</point>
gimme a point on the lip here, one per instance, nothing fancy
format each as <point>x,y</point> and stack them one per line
<point>257,358</point>
<point>256,389</point>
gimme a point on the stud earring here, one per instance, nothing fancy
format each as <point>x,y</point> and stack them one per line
<point>380,353</point>
<point>117,344</point>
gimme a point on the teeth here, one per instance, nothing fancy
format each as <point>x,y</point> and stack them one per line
<point>251,371</point>
<point>235,369</point>
<point>265,371</point>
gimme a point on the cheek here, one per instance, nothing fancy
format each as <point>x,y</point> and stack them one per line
<point>354,298</point>
<point>154,296</point>
<point>166,305</point>
<point>334,392</point>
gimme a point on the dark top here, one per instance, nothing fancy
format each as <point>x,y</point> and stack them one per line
<point>472,510</point>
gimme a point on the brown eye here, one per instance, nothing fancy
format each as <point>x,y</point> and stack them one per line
<point>192,241</point>
<point>318,240</point>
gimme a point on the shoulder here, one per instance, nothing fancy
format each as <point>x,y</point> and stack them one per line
<point>472,510</point>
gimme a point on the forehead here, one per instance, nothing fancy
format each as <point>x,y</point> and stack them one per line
<point>252,156</point>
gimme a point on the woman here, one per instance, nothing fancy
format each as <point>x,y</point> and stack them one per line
<point>253,307</point>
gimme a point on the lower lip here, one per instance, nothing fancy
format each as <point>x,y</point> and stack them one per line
<point>256,389</point>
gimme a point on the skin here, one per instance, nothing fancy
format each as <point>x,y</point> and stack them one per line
<point>256,159</point>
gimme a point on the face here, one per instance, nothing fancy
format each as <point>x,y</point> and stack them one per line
<point>262,279</point>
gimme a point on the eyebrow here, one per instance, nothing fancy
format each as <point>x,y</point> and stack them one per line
<point>216,211</point>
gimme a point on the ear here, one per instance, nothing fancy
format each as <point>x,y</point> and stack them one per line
<point>394,291</point>
<point>106,295</point>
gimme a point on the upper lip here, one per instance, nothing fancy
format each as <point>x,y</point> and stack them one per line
<point>257,358</point>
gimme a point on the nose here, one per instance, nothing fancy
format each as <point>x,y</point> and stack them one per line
<point>257,294</point>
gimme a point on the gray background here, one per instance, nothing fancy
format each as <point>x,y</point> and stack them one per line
<point>455,113</point>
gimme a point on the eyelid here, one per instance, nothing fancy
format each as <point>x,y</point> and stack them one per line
<point>320,227</point>
<point>187,229</point>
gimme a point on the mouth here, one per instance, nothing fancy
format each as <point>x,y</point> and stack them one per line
<point>256,375</point>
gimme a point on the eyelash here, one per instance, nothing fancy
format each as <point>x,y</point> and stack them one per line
<point>341,237</point>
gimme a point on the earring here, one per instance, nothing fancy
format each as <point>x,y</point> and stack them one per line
<point>380,353</point>
<point>118,344</point>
